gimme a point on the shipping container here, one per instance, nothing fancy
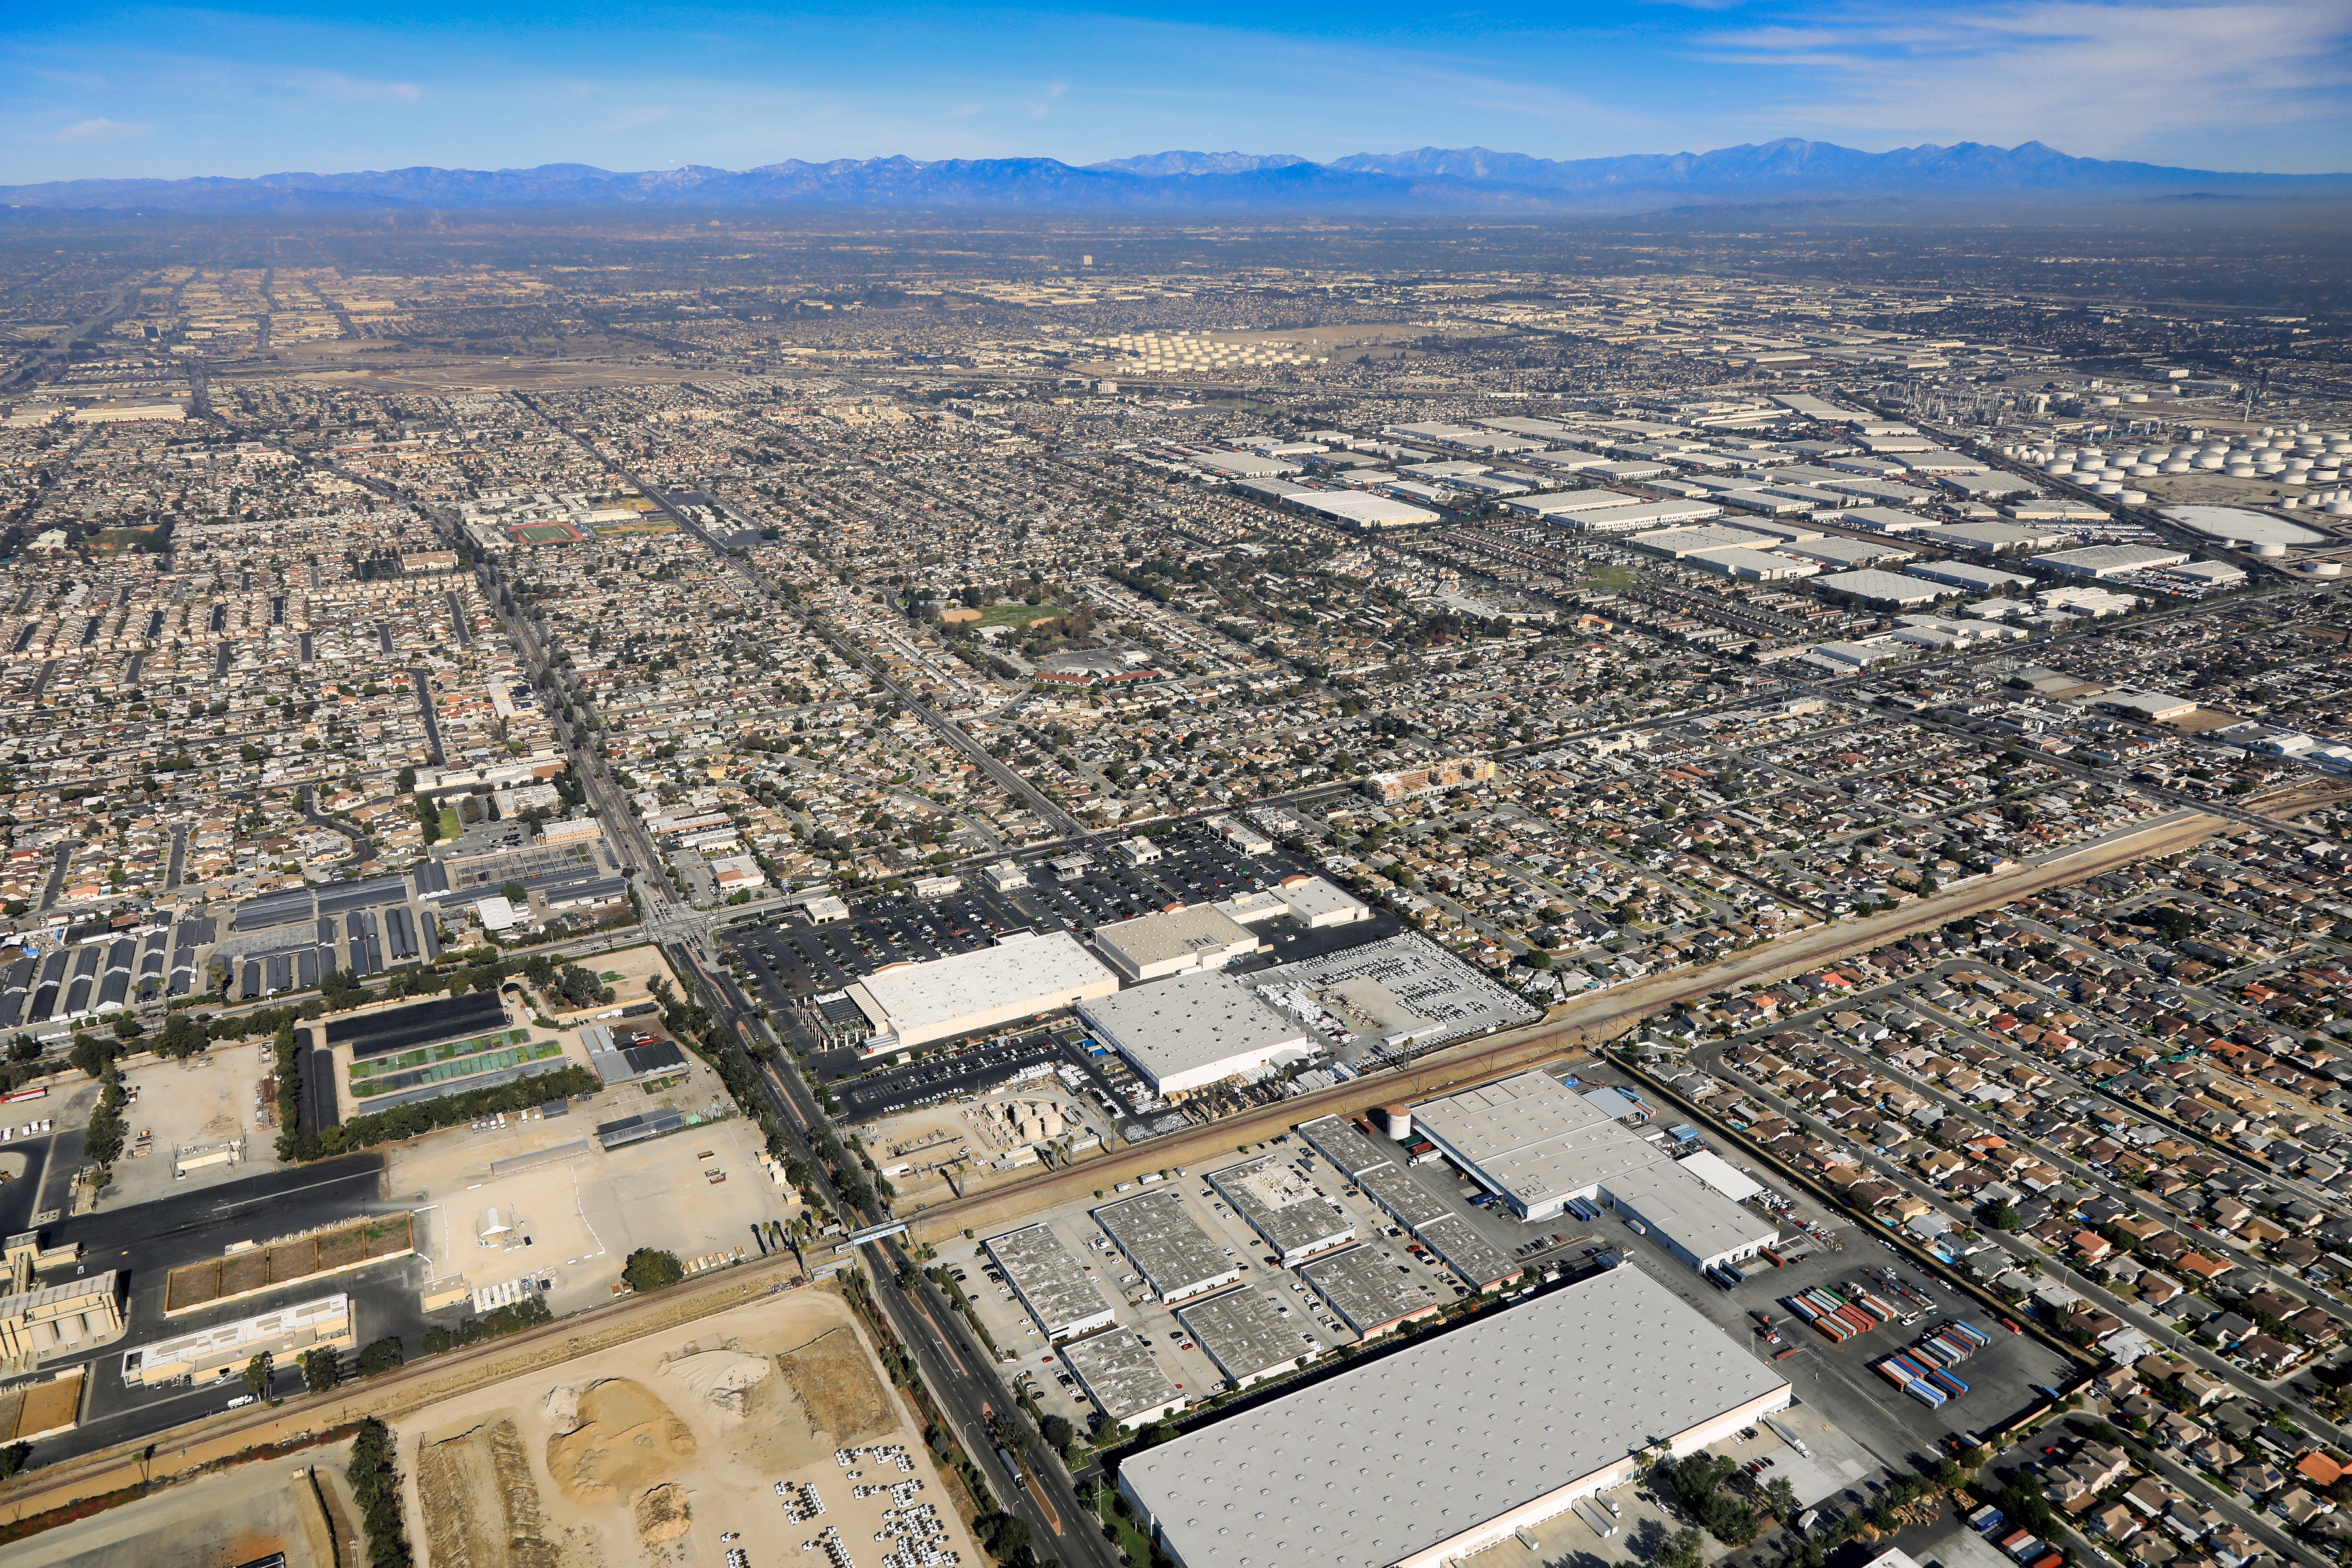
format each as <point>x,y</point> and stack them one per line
<point>1770,1256</point>
<point>1933,1398</point>
<point>1895,1374</point>
<point>1949,1384</point>
<point>1972,1331</point>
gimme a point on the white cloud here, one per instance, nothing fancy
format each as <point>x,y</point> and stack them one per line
<point>103,133</point>
<point>342,88</point>
<point>2091,78</point>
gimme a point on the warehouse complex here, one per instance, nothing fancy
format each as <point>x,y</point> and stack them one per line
<point>1512,1419</point>
<point>1023,976</point>
<point>1194,1031</point>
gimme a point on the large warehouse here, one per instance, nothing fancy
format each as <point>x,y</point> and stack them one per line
<point>1539,1144</point>
<point>1187,1033</point>
<point>1513,1418</point>
<point>1020,978</point>
<point>1533,1140</point>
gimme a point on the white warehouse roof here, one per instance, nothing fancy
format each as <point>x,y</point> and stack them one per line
<point>919,1003</point>
<point>1532,1138</point>
<point>1191,1030</point>
<point>1511,1418</point>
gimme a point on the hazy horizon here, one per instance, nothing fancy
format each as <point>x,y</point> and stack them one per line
<point>173,91</point>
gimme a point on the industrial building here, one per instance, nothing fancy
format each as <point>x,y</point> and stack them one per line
<point>1250,1335</point>
<point>1283,1208</point>
<point>1754,565</point>
<point>1119,1375</point>
<point>2099,562</point>
<point>1192,1031</point>
<point>1892,588</point>
<point>1697,1226</point>
<point>40,1321</point>
<point>1634,516</point>
<point>1532,1139</point>
<point>628,1056</point>
<point>1171,941</point>
<point>1368,1289</point>
<point>1174,1256</point>
<point>1971,579</point>
<point>1682,544</point>
<point>1051,1282</point>
<point>1511,1419</point>
<point>321,1324</point>
<point>1021,976</point>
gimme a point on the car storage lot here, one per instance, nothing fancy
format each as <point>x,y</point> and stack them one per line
<point>1837,1378</point>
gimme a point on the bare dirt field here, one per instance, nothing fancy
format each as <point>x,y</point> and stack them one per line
<point>629,973</point>
<point>651,1452</point>
<point>576,1215</point>
<point>205,1099</point>
<point>220,1521</point>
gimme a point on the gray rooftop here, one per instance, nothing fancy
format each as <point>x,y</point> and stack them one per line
<point>1502,1411</point>
<point>1408,1201</point>
<point>1052,1282</point>
<point>1339,1142</point>
<point>1177,1029</point>
<point>1532,1137</point>
<point>1281,1206</point>
<point>1247,1333</point>
<point>1703,1221</point>
<point>1368,1287</point>
<point>1121,1376</point>
<point>1479,1261</point>
<point>1167,1245</point>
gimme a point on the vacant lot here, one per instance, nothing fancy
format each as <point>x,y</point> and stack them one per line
<point>615,1457</point>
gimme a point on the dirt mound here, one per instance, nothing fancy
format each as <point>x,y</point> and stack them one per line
<point>836,1384</point>
<point>663,1515</point>
<point>480,1507</point>
<point>628,1441</point>
<point>724,1378</point>
<point>562,1410</point>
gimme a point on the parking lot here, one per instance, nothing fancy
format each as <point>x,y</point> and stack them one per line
<point>788,961</point>
<point>2002,1378</point>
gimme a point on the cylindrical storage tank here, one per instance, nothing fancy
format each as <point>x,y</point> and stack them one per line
<point>2173,465</point>
<point>2132,497</point>
<point>1400,1120</point>
<point>2107,488</point>
<point>2269,548</point>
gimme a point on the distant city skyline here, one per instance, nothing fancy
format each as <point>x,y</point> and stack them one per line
<point>173,92</point>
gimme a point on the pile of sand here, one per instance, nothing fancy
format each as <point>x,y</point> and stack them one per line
<point>626,1442</point>
<point>662,1514</point>
<point>724,1377</point>
<point>562,1410</point>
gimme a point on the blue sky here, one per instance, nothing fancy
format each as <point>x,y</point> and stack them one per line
<point>105,90</point>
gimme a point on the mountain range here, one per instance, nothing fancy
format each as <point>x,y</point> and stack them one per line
<point>1428,179</point>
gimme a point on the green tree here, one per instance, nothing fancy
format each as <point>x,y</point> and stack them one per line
<point>319,1370</point>
<point>13,1460</point>
<point>91,1053</point>
<point>651,1268</point>
<point>376,1486</point>
<point>257,1375</point>
<point>1680,1550</point>
<point>514,893</point>
<point>1058,1434</point>
<point>381,1355</point>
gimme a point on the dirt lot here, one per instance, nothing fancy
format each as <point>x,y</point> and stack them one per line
<point>651,1452</point>
<point>218,1522</point>
<point>203,1099</point>
<point>576,1215</point>
<point>42,1404</point>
